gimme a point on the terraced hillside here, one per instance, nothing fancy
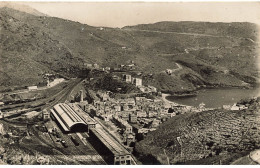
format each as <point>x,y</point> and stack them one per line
<point>203,138</point>
<point>211,54</point>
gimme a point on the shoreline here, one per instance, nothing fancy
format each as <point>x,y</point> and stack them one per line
<point>168,102</point>
<point>198,89</point>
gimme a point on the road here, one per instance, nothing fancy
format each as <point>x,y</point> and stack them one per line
<point>27,91</point>
<point>255,156</point>
<point>179,67</point>
<point>188,34</point>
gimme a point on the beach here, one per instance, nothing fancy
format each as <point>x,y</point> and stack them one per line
<point>167,102</point>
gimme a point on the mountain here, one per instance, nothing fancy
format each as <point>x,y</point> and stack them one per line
<point>21,7</point>
<point>200,53</point>
<point>203,138</point>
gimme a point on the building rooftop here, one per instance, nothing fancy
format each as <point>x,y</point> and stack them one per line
<point>31,114</point>
<point>112,144</point>
<point>66,116</point>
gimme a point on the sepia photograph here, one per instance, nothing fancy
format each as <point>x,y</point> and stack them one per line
<point>129,83</point>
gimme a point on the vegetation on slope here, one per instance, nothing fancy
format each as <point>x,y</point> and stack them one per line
<point>218,54</point>
<point>214,135</point>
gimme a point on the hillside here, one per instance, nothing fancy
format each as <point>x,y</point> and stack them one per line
<point>203,138</point>
<point>21,7</point>
<point>232,30</point>
<point>212,54</point>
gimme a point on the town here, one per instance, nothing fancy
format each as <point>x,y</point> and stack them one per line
<point>113,123</point>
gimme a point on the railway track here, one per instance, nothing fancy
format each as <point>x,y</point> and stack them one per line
<point>52,100</point>
<point>83,153</point>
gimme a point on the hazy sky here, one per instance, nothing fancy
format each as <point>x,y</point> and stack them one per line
<point>119,14</point>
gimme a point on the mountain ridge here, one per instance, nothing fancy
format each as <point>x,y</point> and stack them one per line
<point>22,8</point>
<point>63,46</point>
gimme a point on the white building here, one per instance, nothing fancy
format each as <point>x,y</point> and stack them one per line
<point>89,66</point>
<point>168,71</point>
<point>1,114</point>
<point>32,88</point>
<point>31,114</point>
<point>55,82</point>
<point>235,107</point>
<point>128,78</point>
<point>96,66</point>
<point>138,82</point>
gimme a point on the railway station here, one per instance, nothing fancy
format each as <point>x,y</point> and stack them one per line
<point>68,118</point>
<point>71,118</point>
<point>114,152</point>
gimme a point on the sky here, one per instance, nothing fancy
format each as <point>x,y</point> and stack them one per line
<point>120,14</point>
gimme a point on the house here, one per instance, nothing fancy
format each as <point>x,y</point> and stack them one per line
<point>137,81</point>
<point>1,114</point>
<point>142,89</point>
<point>171,114</point>
<point>168,71</point>
<point>45,115</point>
<point>107,117</point>
<point>152,89</point>
<point>107,109</point>
<point>128,128</point>
<point>121,67</point>
<point>242,107</point>
<point>131,65</point>
<point>130,139</point>
<point>152,114</point>
<point>139,99</point>
<point>133,118</point>
<point>107,68</point>
<point>226,107</point>
<point>143,130</point>
<point>123,124</point>
<point>125,107</point>
<point>125,116</point>
<point>127,78</point>
<point>117,108</point>
<point>115,77</point>
<point>130,101</point>
<point>155,123</point>
<point>116,69</point>
<point>96,66</point>
<point>234,107</point>
<point>202,105</point>
<point>141,114</point>
<point>88,66</point>
<point>105,97</point>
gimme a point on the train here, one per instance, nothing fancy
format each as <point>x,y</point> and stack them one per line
<point>74,140</point>
<point>64,143</point>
